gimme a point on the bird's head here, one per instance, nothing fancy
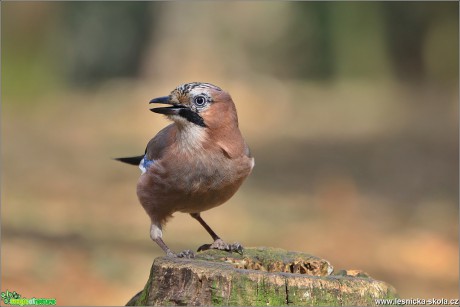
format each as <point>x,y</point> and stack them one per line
<point>198,103</point>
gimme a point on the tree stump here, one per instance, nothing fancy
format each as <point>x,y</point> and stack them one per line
<point>259,277</point>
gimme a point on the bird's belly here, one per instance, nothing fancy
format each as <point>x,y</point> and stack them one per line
<point>203,189</point>
<point>191,187</point>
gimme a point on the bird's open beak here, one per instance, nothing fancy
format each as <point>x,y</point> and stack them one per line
<point>172,110</point>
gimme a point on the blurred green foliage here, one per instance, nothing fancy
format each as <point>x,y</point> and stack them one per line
<point>85,43</point>
<point>104,40</point>
<point>327,40</point>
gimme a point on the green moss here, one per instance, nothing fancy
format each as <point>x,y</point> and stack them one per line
<point>264,254</point>
<point>247,292</point>
<point>241,291</point>
<point>216,294</point>
<point>143,298</point>
<point>223,285</point>
<point>262,293</point>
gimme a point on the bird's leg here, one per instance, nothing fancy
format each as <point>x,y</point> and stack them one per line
<point>156,234</point>
<point>218,242</point>
<point>197,217</point>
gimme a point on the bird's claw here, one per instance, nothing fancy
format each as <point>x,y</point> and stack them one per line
<point>188,254</point>
<point>237,248</point>
<point>221,245</point>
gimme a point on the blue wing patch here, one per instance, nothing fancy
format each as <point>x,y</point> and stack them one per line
<point>145,164</point>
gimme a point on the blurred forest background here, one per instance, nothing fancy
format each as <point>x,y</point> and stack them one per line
<point>350,109</point>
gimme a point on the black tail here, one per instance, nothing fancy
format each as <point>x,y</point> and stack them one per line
<point>131,160</point>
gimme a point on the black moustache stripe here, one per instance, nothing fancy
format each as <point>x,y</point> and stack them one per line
<point>192,117</point>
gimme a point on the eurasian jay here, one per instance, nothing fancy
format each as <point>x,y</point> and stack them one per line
<point>196,163</point>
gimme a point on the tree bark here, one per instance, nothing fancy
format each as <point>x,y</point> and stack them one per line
<point>261,276</point>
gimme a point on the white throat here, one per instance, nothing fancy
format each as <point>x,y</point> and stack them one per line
<point>190,137</point>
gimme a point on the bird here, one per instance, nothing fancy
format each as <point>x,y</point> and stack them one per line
<point>194,164</point>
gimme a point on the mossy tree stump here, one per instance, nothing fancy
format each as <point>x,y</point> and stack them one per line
<point>259,277</point>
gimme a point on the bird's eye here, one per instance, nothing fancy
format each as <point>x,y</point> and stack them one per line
<point>199,101</point>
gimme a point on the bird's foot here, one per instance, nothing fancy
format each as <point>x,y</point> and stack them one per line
<point>221,245</point>
<point>188,254</point>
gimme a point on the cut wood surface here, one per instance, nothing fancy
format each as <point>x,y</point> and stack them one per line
<point>260,277</point>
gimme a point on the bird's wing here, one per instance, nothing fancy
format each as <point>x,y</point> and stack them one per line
<point>155,147</point>
<point>159,144</point>
<point>233,145</point>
